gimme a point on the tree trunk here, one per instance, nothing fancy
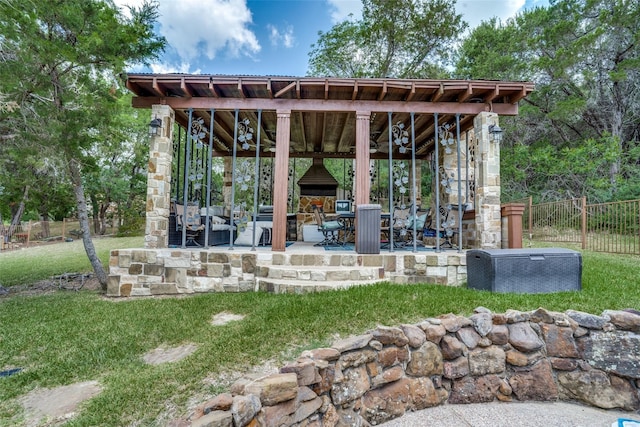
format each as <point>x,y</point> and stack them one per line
<point>83,218</point>
<point>17,215</point>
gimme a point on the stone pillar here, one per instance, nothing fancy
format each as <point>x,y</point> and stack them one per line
<point>512,215</point>
<point>487,174</point>
<point>159,180</point>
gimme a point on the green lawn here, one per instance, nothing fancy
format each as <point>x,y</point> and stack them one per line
<point>65,337</point>
<point>24,266</point>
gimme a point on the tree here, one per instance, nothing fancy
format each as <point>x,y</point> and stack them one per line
<point>61,60</point>
<point>394,38</point>
<point>583,56</point>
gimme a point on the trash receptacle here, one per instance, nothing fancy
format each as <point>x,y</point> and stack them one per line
<point>368,229</point>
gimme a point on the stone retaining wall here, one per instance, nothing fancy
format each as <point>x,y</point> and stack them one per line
<point>145,272</point>
<point>378,376</point>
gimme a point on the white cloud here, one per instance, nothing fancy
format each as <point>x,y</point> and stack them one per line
<point>476,11</point>
<point>284,37</point>
<point>205,27</point>
<point>340,9</point>
<point>182,68</point>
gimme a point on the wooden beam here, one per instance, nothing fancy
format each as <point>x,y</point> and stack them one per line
<point>241,89</point>
<point>467,94</point>
<point>285,89</point>
<point>436,96</point>
<point>324,105</point>
<point>515,98</point>
<point>492,95</point>
<point>213,90</point>
<point>156,88</point>
<point>412,93</point>
<point>383,92</point>
<point>269,90</point>
<point>185,88</point>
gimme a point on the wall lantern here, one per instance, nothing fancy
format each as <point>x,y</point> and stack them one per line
<point>496,133</point>
<point>154,127</point>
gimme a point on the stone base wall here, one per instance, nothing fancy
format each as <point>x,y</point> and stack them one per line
<point>144,272</point>
<point>375,377</point>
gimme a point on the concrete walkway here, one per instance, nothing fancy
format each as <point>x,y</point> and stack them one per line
<point>521,414</point>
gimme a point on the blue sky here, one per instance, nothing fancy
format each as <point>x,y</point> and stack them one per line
<point>268,37</point>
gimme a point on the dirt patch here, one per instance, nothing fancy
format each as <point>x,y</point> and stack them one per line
<point>64,282</point>
<point>57,405</point>
<point>225,317</point>
<point>166,355</point>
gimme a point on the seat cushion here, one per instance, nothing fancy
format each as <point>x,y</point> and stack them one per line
<point>332,225</point>
<point>245,237</point>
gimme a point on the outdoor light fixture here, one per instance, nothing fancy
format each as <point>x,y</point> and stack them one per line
<point>496,133</point>
<point>154,127</point>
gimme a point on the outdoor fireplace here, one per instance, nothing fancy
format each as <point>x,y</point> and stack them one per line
<point>318,181</point>
<point>317,187</point>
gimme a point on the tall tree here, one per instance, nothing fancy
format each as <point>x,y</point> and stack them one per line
<point>61,60</point>
<point>583,56</point>
<point>394,38</point>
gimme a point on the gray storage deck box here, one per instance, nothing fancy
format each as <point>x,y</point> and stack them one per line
<point>524,270</point>
<point>368,229</point>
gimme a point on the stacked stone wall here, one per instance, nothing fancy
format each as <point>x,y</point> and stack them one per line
<point>375,377</point>
<point>145,272</point>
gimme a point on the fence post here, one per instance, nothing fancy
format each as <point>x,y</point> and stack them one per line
<point>63,226</point>
<point>28,233</point>
<point>584,222</point>
<point>530,217</point>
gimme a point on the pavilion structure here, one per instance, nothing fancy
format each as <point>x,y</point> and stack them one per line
<point>445,122</point>
<point>449,124</point>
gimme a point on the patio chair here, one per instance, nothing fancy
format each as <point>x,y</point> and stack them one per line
<point>189,218</point>
<point>398,226</point>
<point>422,221</point>
<point>446,231</point>
<point>330,229</point>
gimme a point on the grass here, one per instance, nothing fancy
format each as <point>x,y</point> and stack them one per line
<point>65,337</point>
<point>29,265</point>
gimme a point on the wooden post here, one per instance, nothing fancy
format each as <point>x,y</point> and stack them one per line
<point>513,212</point>
<point>280,180</point>
<point>584,222</point>
<point>28,233</point>
<point>363,182</point>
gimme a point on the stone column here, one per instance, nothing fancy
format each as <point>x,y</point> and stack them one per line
<point>487,174</point>
<point>159,180</point>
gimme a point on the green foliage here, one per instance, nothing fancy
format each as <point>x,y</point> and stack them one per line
<point>394,38</point>
<point>61,66</point>
<point>576,133</point>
